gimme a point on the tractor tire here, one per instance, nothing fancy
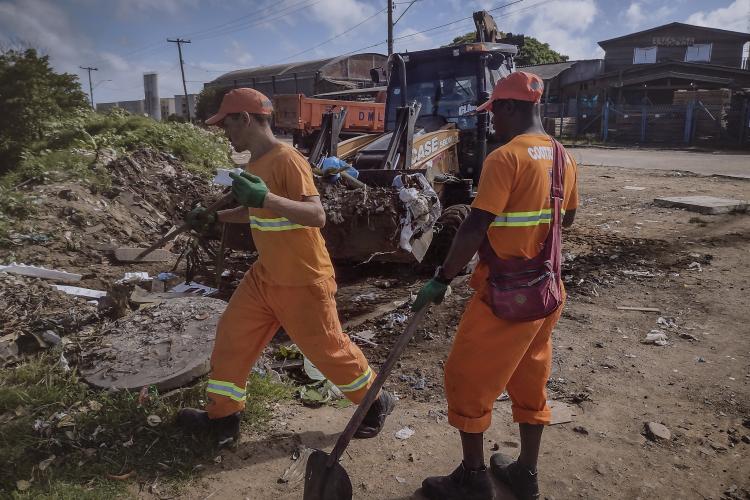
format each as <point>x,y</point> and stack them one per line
<point>446,228</point>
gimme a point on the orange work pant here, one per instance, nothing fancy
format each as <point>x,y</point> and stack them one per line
<point>307,314</point>
<point>490,355</point>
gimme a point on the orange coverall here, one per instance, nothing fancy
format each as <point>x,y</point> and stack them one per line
<point>291,285</point>
<point>490,354</point>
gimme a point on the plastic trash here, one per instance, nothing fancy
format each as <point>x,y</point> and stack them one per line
<point>331,167</point>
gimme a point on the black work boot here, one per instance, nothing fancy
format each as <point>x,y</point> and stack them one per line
<point>521,481</point>
<point>375,418</point>
<point>461,484</point>
<point>226,430</point>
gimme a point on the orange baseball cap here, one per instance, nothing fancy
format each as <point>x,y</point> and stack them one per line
<point>239,100</point>
<point>520,86</point>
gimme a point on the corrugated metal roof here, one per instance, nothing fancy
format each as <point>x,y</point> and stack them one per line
<point>548,71</point>
<point>300,67</point>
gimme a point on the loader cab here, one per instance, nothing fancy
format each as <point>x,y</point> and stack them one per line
<point>450,83</point>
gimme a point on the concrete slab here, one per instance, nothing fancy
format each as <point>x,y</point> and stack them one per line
<point>129,254</point>
<point>707,205</point>
<point>167,345</point>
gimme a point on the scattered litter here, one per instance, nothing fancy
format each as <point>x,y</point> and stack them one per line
<point>667,322</point>
<point>63,363</point>
<point>641,274</point>
<point>656,337</point>
<point>40,272</point>
<point>77,291</point>
<point>222,176</point>
<point>400,479</point>
<point>121,477</point>
<point>561,412</point>
<point>23,485</point>
<point>700,359</point>
<point>194,289</point>
<point>135,276</point>
<point>51,337</point>
<point>296,470</point>
<point>634,188</point>
<point>638,308</point>
<point>657,432</point>
<point>687,336</point>
<point>581,430</point>
<point>695,266</point>
<point>319,393</point>
<point>311,370</point>
<point>405,433</point>
<point>394,319</point>
<point>365,297</point>
<point>153,420</point>
<point>366,334</point>
<point>46,463</point>
<point>503,397</point>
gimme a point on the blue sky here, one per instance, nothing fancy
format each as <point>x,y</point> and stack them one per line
<point>125,38</point>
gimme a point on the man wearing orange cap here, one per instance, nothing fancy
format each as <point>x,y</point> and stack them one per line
<point>291,285</point>
<point>491,354</point>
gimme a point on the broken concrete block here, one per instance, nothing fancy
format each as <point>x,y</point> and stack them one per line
<point>126,254</point>
<point>708,205</point>
<point>40,272</point>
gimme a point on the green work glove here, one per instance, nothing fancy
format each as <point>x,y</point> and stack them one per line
<point>248,189</point>
<point>433,291</point>
<point>199,220</point>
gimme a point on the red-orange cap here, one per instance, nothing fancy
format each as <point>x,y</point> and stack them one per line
<point>239,100</point>
<point>520,86</point>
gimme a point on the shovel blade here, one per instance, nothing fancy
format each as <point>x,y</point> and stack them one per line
<point>323,482</point>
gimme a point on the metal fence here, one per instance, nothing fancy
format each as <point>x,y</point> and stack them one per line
<point>693,123</point>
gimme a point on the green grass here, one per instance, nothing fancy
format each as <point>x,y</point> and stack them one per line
<point>93,434</point>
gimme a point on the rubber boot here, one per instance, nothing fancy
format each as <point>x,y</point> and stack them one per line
<point>375,418</point>
<point>225,430</point>
<point>461,484</point>
<point>521,481</point>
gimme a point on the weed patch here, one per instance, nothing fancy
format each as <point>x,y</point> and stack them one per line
<point>62,439</point>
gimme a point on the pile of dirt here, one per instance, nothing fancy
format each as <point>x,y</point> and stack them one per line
<point>72,224</point>
<point>34,315</point>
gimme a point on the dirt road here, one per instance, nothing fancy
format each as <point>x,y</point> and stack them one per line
<point>718,163</point>
<point>623,251</point>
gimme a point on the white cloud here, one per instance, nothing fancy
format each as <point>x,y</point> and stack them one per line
<point>733,17</point>
<point>339,14</point>
<point>562,24</point>
<point>131,8</point>
<point>645,14</point>
<point>634,16</point>
<point>419,41</point>
<point>238,54</point>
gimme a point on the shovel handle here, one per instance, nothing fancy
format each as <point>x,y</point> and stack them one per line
<point>227,198</point>
<point>372,392</point>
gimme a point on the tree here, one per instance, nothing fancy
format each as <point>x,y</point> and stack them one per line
<point>530,50</point>
<point>32,96</point>
<point>208,103</point>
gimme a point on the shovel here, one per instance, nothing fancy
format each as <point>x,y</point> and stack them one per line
<point>325,478</point>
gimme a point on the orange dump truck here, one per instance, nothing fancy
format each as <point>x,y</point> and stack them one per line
<point>302,116</point>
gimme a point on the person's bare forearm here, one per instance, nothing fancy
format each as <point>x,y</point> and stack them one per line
<point>308,212</point>
<point>467,241</point>
<point>238,215</point>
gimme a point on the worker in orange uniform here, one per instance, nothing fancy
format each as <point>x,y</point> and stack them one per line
<point>291,285</point>
<point>512,209</point>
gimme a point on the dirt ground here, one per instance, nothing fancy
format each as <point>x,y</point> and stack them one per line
<point>623,251</point>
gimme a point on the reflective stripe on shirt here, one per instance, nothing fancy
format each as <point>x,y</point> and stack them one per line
<point>277,224</point>
<point>524,219</point>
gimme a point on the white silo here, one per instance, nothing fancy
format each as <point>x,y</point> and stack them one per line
<point>152,104</point>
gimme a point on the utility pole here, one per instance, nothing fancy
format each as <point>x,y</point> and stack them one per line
<point>390,27</point>
<point>91,88</point>
<point>179,42</point>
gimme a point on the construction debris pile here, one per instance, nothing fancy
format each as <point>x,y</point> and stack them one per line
<point>34,316</point>
<point>73,224</point>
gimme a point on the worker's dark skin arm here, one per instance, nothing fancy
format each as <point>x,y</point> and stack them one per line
<point>569,217</point>
<point>467,241</point>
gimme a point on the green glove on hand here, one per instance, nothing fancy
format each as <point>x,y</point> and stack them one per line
<point>248,189</point>
<point>433,291</point>
<point>199,220</point>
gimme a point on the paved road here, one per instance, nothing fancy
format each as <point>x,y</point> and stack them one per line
<point>728,164</point>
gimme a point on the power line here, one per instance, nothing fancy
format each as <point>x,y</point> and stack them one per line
<point>406,9</point>
<point>333,37</point>
<point>287,11</point>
